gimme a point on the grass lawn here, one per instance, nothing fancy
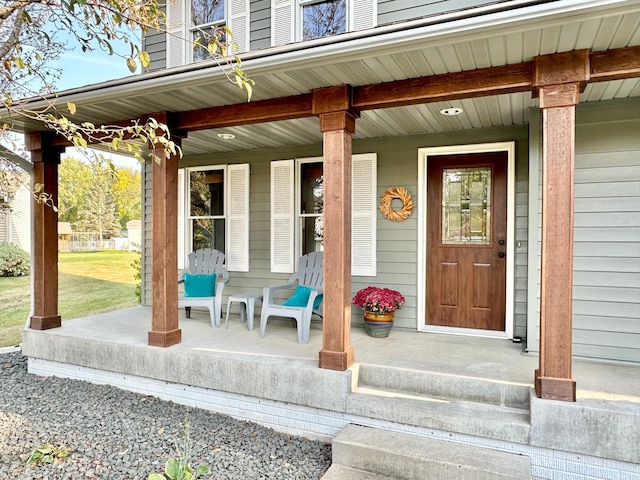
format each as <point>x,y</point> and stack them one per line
<point>89,283</point>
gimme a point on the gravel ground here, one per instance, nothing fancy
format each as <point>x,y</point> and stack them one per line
<point>115,434</point>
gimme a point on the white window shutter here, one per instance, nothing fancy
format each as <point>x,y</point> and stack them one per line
<point>364,14</point>
<point>181,219</point>
<point>282,22</point>
<point>176,31</point>
<point>282,216</point>
<point>364,215</point>
<point>239,23</point>
<point>238,218</point>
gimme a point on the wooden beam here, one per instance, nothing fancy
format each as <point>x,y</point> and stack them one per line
<point>615,64</point>
<point>283,108</point>
<point>44,268</point>
<point>449,86</point>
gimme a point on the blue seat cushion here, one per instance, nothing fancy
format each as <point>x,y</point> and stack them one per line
<point>301,296</point>
<point>199,285</point>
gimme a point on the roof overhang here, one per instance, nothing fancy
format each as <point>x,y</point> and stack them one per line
<point>424,48</point>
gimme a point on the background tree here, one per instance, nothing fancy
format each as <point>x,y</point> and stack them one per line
<point>127,193</point>
<point>74,184</point>
<point>99,213</point>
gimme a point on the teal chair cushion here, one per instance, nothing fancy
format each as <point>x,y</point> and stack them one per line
<point>199,285</point>
<point>300,298</point>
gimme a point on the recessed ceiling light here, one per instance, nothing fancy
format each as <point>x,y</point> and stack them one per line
<point>227,136</point>
<point>451,111</point>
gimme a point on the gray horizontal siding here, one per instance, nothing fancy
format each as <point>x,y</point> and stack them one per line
<point>606,281</point>
<point>391,11</point>
<point>155,44</point>
<point>260,24</point>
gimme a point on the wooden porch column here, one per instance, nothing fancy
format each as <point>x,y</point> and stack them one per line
<point>164,248</point>
<point>559,79</point>
<point>337,124</point>
<point>44,268</point>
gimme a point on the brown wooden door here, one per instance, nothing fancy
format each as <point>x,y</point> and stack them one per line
<point>466,240</point>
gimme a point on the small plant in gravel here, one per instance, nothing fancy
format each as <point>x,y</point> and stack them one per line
<point>179,468</point>
<point>47,453</point>
<point>175,469</point>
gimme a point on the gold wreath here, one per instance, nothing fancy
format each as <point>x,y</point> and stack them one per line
<point>401,194</point>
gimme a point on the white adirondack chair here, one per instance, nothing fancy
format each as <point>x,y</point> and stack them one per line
<point>206,261</point>
<point>309,275</point>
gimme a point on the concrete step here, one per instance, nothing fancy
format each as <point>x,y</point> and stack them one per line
<point>470,418</point>
<point>340,472</point>
<point>446,386</point>
<point>409,457</point>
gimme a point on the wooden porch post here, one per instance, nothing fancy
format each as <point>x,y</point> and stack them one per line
<point>44,268</point>
<point>164,248</point>
<point>558,79</point>
<point>337,124</point>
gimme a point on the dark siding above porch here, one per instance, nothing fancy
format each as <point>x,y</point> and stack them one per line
<point>392,11</point>
<point>260,24</point>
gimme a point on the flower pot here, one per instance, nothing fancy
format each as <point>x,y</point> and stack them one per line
<point>378,325</point>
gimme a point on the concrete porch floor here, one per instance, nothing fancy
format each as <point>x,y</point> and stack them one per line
<point>456,389</point>
<point>486,358</point>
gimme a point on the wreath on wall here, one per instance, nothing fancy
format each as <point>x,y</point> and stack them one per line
<point>401,194</point>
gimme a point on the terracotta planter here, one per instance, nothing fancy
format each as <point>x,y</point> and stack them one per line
<point>378,324</point>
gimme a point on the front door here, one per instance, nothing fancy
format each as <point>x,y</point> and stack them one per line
<point>466,240</point>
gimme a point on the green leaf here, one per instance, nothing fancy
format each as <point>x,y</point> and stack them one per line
<point>172,468</point>
<point>155,476</point>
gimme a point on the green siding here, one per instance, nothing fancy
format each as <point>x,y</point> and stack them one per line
<point>260,24</point>
<point>397,243</point>
<point>606,282</point>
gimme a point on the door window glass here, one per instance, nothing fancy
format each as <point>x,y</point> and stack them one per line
<point>466,206</point>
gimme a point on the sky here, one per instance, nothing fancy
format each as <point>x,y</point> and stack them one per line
<point>80,69</point>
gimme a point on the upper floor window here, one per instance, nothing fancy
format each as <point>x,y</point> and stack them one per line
<point>207,17</point>
<point>323,18</point>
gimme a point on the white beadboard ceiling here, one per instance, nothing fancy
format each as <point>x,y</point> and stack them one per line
<point>599,28</point>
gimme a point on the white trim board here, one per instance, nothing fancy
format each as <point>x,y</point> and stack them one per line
<point>423,158</point>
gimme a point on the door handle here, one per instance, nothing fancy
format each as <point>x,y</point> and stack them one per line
<point>500,254</point>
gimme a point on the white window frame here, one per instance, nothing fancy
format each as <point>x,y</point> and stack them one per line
<point>298,220</point>
<point>287,225</point>
<point>235,215</point>
<point>300,4</point>
<point>190,29</point>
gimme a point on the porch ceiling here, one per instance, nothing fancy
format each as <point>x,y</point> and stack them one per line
<point>460,45</point>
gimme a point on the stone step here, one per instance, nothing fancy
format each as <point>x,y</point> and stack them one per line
<point>445,386</point>
<point>409,457</point>
<point>340,472</point>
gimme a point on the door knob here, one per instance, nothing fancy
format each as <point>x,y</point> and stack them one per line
<point>500,254</point>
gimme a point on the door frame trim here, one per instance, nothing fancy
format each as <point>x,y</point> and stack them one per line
<point>423,158</point>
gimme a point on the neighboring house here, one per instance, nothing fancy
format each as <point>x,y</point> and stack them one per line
<point>15,213</point>
<point>513,125</point>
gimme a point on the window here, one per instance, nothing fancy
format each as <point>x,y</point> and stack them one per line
<point>295,20</point>
<point>207,17</point>
<point>323,18</point>
<point>206,220</point>
<point>215,212</point>
<point>310,206</point>
<point>297,207</point>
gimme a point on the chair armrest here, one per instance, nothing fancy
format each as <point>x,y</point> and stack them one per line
<point>267,292</point>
